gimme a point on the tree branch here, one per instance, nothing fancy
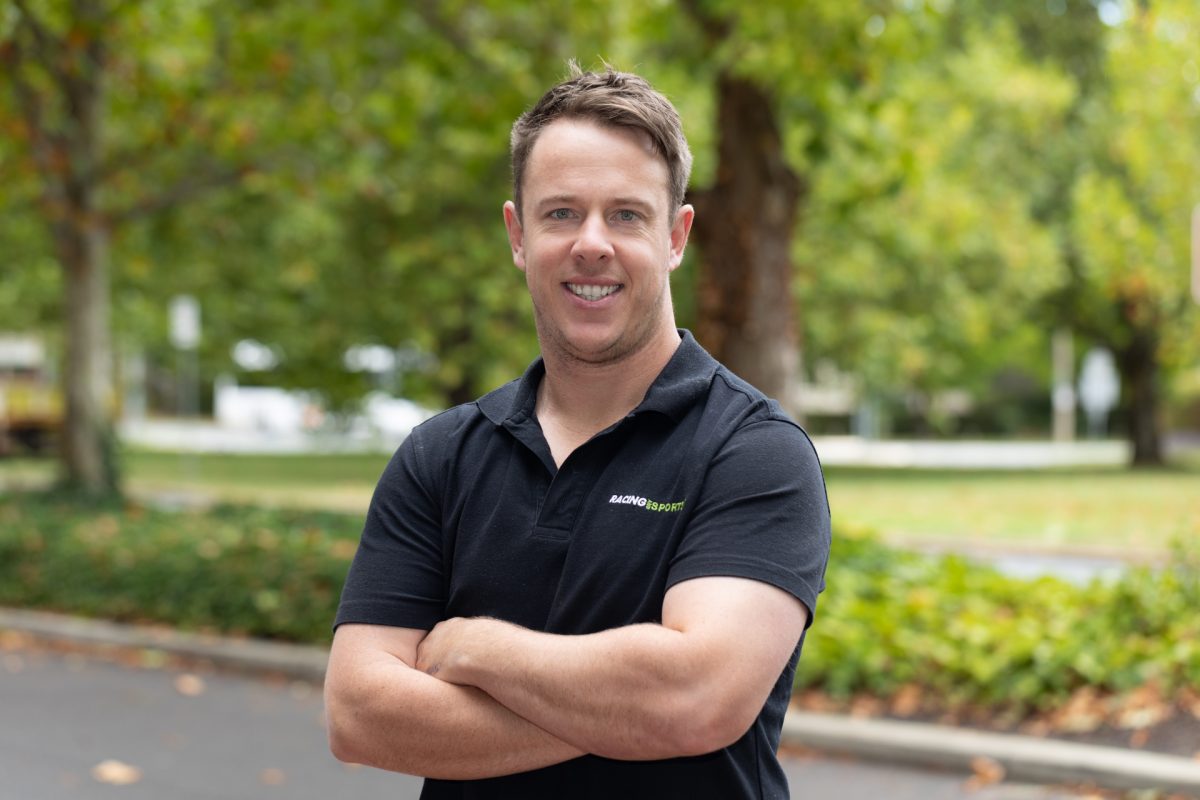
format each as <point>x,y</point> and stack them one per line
<point>430,13</point>
<point>42,142</point>
<point>49,48</point>
<point>716,29</point>
<point>193,185</point>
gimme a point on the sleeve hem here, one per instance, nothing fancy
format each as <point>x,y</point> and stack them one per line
<point>795,586</point>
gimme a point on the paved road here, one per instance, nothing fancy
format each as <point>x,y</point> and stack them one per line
<point>74,727</point>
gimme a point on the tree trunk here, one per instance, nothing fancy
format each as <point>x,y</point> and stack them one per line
<point>88,457</point>
<point>1138,363</point>
<point>82,237</point>
<point>744,228</point>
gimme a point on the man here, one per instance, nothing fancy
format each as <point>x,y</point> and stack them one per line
<point>593,581</point>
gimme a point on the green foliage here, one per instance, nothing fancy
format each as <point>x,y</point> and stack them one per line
<point>973,636</point>
<point>921,256</point>
<point>888,619</point>
<point>242,570</point>
<point>334,179</point>
<point>1132,202</point>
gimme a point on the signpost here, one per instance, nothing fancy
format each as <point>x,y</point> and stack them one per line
<point>184,315</point>
<point>1196,253</point>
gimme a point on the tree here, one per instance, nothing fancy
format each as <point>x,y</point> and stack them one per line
<point>929,255</point>
<point>1131,208</point>
<point>119,112</point>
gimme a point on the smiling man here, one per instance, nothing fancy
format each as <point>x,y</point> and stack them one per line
<point>595,580</point>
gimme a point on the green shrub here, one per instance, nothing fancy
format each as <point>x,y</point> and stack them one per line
<point>244,570</point>
<point>888,619</point>
<point>973,636</point>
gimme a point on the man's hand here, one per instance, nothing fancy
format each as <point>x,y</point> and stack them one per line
<point>445,652</point>
<point>383,712</point>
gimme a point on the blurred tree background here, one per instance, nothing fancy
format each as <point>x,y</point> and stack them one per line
<point>913,194</point>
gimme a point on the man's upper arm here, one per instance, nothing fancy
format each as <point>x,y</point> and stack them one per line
<point>358,644</point>
<point>762,514</point>
<point>746,631</point>
<point>396,578</point>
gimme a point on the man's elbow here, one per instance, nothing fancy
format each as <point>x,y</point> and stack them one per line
<point>692,725</point>
<point>343,725</point>
<point>710,727</point>
<point>342,742</point>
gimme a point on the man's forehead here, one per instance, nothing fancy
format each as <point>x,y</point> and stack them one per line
<point>577,156</point>
<point>580,125</point>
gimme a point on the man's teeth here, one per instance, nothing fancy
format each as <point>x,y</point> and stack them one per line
<point>590,292</point>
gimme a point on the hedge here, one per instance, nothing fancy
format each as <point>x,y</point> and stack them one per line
<point>241,570</point>
<point>975,637</point>
<point>889,619</point>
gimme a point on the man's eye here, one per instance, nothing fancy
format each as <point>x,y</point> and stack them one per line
<point>560,213</point>
<point>625,215</point>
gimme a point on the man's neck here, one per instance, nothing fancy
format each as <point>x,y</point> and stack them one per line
<point>576,400</point>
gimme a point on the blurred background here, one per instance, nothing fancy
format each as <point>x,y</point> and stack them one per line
<point>246,246</point>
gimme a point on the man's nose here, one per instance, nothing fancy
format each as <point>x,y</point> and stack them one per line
<point>593,243</point>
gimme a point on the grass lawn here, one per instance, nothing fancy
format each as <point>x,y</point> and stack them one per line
<point>1100,509</point>
<point>338,482</point>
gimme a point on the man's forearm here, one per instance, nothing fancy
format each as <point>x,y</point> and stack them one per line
<point>625,693</point>
<point>691,685</point>
<point>386,714</point>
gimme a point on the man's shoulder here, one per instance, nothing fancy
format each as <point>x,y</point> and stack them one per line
<point>492,407</point>
<point>742,403</point>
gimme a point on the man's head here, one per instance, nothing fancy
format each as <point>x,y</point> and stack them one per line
<point>612,98</point>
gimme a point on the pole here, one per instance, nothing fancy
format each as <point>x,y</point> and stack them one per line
<point>1062,399</point>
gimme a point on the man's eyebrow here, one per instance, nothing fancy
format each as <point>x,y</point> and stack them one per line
<point>555,199</point>
<point>633,201</point>
<point>569,199</point>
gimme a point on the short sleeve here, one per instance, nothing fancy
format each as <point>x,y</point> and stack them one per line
<point>397,576</point>
<point>763,514</point>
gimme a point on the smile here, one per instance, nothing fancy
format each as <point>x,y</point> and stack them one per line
<point>591,292</point>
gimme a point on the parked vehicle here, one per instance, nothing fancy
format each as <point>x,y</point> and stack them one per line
<point>31,404</point>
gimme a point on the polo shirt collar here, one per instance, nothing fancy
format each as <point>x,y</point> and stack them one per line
<point>684,379</point>
<point>686,376</point>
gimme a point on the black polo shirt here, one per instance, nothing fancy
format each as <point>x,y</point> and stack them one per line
<point>705,477</point>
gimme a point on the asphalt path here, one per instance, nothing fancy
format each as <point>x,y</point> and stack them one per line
<point>74,726</point>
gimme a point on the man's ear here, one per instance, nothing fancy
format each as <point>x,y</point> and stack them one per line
<point>680,229</point>
<point>516,234</point>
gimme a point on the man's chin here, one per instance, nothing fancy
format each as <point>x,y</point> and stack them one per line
<point>592,350</point>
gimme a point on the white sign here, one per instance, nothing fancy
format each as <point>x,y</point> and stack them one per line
<point>185,322</point>
<point>1099,387</point>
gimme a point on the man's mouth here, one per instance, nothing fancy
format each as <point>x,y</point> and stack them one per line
<point>590,291</point>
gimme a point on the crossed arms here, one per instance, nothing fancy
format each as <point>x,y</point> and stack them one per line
<point>477,698</point>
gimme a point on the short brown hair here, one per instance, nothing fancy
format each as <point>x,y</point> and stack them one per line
<point>609,98</point>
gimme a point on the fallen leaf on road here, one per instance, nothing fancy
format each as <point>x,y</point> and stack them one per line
<point>12,640</point>
<point>190,685</point>
<point>271,777</point>
<point>987,771</point>
<point>116,773</point>
<point>1139,738</point>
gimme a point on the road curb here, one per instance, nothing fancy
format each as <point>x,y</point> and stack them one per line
<point>301,662</point>
<point>1025,759</point>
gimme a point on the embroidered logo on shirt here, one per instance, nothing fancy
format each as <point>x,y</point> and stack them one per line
<point>641,502</point>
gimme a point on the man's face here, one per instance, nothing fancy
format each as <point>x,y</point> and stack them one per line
<point>597,240</point>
